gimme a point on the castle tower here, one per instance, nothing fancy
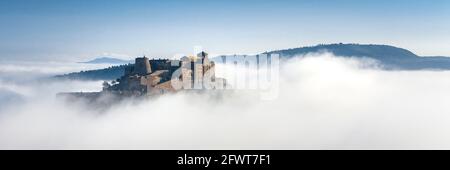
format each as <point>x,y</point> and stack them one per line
<point>202,56</point>
<point>142,66</point>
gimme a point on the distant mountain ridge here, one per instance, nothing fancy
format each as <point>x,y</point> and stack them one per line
<point>107,60</point>
<point>347,50</point>
<point>390,57</point>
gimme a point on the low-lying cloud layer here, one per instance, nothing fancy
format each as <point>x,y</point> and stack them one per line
<point>324,103</point>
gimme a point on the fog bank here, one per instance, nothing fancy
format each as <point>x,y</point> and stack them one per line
<point>324,102</point>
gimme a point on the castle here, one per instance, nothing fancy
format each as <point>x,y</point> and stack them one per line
<point>156,76</point>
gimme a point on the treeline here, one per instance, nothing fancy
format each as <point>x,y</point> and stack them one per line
<point>110,73</point>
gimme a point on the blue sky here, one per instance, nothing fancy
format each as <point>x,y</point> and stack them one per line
<point>81,29</point>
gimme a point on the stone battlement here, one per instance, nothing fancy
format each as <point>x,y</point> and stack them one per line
<point>151,77</point>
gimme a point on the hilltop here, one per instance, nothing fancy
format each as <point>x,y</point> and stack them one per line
<point>389,56</point>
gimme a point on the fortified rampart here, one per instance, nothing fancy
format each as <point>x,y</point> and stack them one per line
<point>153,76</point>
